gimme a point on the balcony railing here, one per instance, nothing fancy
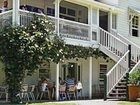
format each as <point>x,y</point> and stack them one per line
<point>74,30</point>
<point>67,28</point>
<point>6,18</point>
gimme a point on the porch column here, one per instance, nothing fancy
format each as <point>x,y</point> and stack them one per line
<point>90,21</point>
<point>57,81</point>
<point>57,3</point>
<point>15,19</point>
<point>98,33</point>
<point>90,78</point>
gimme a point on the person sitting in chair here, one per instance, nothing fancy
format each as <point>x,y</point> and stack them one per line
<point>5,6</point>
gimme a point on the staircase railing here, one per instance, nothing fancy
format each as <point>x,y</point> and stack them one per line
<point>135,49</point>
<point>116,73</point>
<point>112,43</point>
<point>136,67</point>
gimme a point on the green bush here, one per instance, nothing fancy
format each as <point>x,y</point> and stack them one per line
<point>134,78</point>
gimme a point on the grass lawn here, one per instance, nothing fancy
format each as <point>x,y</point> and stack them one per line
<point>129,103</point>
<point>45,103</point>
<point>52,104</point>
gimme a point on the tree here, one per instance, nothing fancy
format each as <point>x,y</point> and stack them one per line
<point>22,49</point>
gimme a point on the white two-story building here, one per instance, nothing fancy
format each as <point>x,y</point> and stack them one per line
<point>110,25</point>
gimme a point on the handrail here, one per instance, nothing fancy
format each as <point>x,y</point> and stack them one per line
<point>40,14</point>
<point>33,13</point>
<point>117,63</point>
<point>133,69</point>
<point>135,49</point>
<point>6,12</point>
<point>126,39</point>
<point>116,74</point>
<point>113,36</point>
<point>74,22</point>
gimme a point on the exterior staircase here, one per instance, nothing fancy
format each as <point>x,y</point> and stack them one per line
<point>127,57</point>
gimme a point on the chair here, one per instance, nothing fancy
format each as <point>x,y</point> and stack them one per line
<point>62,92</point>
<point>4,90</point>
<point>42,92</point>
<point>71,92</point>
<point>31,92</point>
<point>24,92</point>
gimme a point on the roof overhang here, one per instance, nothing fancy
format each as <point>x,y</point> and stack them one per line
<point>134,11</point>
<point>97,5</point>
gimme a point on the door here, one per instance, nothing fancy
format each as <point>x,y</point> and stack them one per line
<point>103,20</point>
<point>71,69</point>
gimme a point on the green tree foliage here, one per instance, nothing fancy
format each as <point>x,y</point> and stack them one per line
<point>22,50</point>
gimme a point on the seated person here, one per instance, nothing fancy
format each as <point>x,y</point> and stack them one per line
<point>44,85</point>
<point>70,81</point>
<point>79,86</point>
<point>5,6</point>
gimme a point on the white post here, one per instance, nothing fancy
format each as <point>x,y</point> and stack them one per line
<point>98,33</point>
<point>16,19</point>
<point>90,21</point>
<point>90,78</point>
<point>57,3</point>
<point>57,81</point>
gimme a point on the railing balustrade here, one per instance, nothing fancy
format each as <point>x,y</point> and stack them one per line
<point>116,73</point>
<point>6,18</point>
<point>112,43</point>
<point>135,49</point>
<point>74,30</point>
<point>67,28</point>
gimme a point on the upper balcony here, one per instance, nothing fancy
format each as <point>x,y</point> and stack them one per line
<point>76,21</point>
<point>72,22</point>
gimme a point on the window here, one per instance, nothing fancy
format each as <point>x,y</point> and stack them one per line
<point>94,35</point>
<point>44,70</point>
<point>71,12</point>
<point>114,21</point>
<point>135,26</point>
<point>50,11</point>
<point>103,71</point>
<point>67,13</point>
<point>63,10</point>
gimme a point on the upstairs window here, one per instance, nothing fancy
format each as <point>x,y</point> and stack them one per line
<point>135,26</point>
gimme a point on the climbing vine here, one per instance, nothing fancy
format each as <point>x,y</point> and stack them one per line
<point>22,49</point>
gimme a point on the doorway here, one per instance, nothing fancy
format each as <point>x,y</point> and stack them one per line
<point>71,69</point>
<point>103,20</point>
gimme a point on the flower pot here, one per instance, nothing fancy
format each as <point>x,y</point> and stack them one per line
<point>133,92</point>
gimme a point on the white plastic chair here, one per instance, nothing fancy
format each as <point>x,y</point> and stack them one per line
<point>4,91</point>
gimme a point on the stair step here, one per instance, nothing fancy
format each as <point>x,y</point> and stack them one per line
<point>123,93</point>
<point>122,86</point>
<point>120,90</point>
<point>124,82</point>
<point>116,97</point>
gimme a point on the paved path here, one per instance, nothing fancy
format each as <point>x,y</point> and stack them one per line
<point>93,102</point>
<point>96,102</point>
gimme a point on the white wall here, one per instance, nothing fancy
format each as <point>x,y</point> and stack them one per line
<point>123,23</point>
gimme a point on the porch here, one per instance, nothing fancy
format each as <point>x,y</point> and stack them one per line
<point>89,72</point>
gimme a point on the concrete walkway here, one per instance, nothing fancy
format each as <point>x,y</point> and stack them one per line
<point>93,102</point>
<point>96,102</point>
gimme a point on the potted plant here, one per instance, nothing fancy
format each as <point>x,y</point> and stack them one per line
<point>134,85</point>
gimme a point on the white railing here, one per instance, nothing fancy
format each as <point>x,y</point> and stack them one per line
<point>67,28</point>
<point>135,49</point>
<point>116,73</point>
<point>112,43</point>
<point>26,17</point>
<point>6,18</point>
<point>74,30</point>
<point>136,67</point>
